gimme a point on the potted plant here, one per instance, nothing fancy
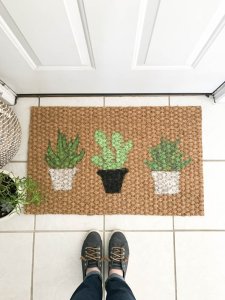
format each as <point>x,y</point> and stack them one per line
<point>16,192</point>
<point>62,162</point>
<point>113,157</point>
<point>166,165</point>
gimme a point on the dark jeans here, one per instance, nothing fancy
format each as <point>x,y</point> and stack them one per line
<point>91,289</point>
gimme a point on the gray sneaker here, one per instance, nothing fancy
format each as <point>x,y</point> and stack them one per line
<point>118,252</point>
<point>91,252</point>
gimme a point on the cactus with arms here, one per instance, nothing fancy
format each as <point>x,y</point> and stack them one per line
<point>114,152</point>
<point>66,155</point>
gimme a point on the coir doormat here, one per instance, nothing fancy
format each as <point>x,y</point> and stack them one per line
<point>94,161</point>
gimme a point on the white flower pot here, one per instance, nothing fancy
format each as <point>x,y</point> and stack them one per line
<point>9,216</point>
<point>62,179</point>
<point>166,182</point>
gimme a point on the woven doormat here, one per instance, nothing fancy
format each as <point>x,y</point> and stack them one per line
<point>157,150</point>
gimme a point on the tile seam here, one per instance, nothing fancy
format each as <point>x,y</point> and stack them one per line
<point>174,259</point>
<point>32,263</point>
<point>103,267</point>
<point>213,160</point>
<point>111,230</point>
<point>18,161</point>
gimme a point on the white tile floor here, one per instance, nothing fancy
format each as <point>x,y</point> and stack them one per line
<point>183,256</point>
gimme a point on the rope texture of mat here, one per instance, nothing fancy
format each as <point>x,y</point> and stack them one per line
<point>144,160</point>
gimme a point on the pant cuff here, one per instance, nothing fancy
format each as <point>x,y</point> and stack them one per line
<point>94,273</point>
<point>114,275</point>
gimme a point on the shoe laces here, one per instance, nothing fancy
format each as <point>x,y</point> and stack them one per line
<point>92,253</point>
<point>117,254</point>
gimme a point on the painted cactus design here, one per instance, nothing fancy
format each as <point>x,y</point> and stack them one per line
<point>166,165</point>
<point>112,159</point>
<point>62,161</point>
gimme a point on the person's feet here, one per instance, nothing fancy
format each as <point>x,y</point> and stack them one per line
<point>91,253</point>
<point>118,254</point>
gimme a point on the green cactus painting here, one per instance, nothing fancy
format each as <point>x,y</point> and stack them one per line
<point>167,157</point>
<point>114,151</point>
<point>166,164</point>
<point>66,155</point>
<point>111,160</point>
<point>62,161</point>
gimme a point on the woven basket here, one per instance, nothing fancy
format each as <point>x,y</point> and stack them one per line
<point>10,134</point>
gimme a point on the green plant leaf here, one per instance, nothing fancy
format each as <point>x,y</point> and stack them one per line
<point>166,156</point>
<point>117,140</point>
<point>111,158</point>
<point>65,154</point>
<point>18,192</point>
<point>98,161</point>
<point>75,143</point>
<point>101,138</point>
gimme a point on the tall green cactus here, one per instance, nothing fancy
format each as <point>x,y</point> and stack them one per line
<point>167,157</point>
<point>66,155</point>
<point>114,152</point>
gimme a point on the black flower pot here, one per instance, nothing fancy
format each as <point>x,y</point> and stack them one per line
<point>112,179</point>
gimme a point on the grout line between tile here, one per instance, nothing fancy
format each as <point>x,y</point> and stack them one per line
<point>169,100</point>
<point>174,260</point>
<point>103,101</point>
<point>199,230</point>
<point>35,222</point>
<point>18,161</point>
<point>103,267</point>
<point>44,231</point>
<point>141,230</point>
<point>213,160</point>
<point>106,231</point>
<point>39,101</point>
<point>32,263</point>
